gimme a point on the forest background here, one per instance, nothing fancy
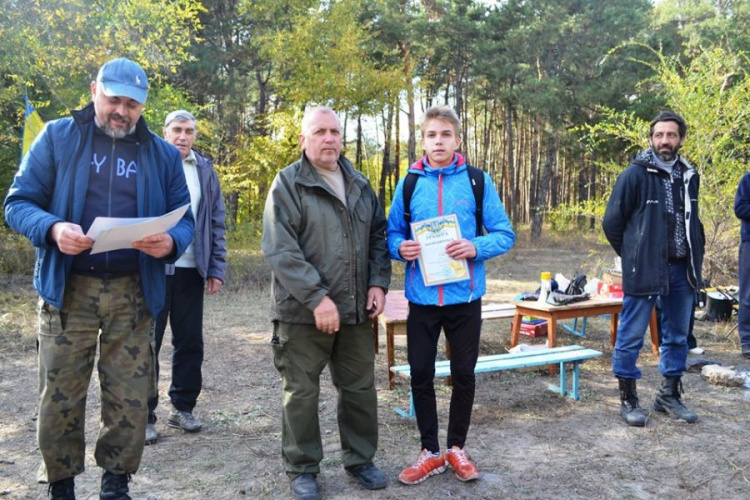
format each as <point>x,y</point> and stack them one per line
<point>554,95</point>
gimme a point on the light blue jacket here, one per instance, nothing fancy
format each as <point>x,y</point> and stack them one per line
<point>445,191</point>
<point>50,186</point>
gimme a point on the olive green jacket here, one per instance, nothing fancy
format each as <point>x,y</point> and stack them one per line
<point>316,246</point>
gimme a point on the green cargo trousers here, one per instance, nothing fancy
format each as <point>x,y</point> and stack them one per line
<point>300,354</point>
<point>68,340</point>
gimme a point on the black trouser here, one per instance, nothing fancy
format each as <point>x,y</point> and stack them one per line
<point>461,324</point>
<point>183,305</point>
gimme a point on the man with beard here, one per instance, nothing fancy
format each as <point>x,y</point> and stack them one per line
<point>101,161</point>
<point>652,222</point>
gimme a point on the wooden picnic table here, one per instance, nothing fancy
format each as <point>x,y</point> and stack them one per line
<point>595,306</point>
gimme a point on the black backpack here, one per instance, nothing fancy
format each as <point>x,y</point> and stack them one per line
<point>576,285</point>
<point>476,176</point>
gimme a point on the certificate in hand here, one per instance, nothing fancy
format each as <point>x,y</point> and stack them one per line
<point>436,266</point>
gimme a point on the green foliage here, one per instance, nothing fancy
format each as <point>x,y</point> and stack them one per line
<point>712,93</point>
<point>257,159</point>
<point>54,50</point>
<point>564,217</point>
<point>323,58</point>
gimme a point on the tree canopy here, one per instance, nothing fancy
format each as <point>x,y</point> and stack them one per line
<point>553,94</point>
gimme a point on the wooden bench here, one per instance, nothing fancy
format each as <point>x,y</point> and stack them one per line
<point>394,319</point>
<point>569,354</point>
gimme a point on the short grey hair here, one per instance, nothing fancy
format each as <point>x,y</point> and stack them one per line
<point>310,113</point>
<point>179,115</point>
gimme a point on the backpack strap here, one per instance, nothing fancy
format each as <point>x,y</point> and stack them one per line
<point>476,177</point>
<point>410,182</point>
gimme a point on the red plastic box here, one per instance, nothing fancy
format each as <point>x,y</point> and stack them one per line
<point>533,330</point>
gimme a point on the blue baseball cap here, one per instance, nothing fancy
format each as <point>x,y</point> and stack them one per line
<point>123,78</point>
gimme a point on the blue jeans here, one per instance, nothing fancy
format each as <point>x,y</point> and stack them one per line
<point>677,307</point>
<point>743,318</point>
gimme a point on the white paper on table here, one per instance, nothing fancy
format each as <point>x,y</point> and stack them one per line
<point>114,234</point>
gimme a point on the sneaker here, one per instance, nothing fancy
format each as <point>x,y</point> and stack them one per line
<point>114,486</point>
<point>64,489</point>
<point>306,487</point>
<point>427,464</point>
<point>184,420</point>
<point>151,434</point>
<point>369,477</point>
<point>463,467</point>
<point>697,350</point>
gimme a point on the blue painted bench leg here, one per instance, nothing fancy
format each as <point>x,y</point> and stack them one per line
<point>411,413</point>
<point>563,380</point>
<point>562,388</point>
<point>573,330</point>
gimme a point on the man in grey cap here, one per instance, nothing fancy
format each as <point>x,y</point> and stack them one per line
<point>200,268</point>
<point>102,161</point>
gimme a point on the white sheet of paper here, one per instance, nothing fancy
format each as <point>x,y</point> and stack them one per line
<point>103,223</point>
<point>114,234</point>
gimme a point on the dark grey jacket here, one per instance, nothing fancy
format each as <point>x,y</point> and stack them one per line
<point>635,224</point>
<point>210,242</point>
<point>316,246</point>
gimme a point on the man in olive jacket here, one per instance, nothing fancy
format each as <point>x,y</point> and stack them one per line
<point>324,237</point>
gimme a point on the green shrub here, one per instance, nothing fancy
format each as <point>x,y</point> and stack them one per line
<point>17,256</point>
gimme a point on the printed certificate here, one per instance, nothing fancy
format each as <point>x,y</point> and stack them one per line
<point>436,266</point>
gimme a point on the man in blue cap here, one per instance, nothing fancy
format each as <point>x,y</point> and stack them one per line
<point>102,161</point>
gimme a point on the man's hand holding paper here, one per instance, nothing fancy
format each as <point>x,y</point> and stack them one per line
<point>157,245</point>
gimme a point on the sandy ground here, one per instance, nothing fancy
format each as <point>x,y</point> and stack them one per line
<point>528,442</point>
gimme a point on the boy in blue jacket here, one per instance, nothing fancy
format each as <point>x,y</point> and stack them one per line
<point>444,187</point>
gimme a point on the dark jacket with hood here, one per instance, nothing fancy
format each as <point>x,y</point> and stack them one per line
<point>636,220</point>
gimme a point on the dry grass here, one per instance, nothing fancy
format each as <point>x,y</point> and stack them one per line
<point>528,442</point>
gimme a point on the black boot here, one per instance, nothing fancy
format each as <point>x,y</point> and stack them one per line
<point>306,487</point>
<point>630,411</point>
<point>668,400</point>
<point>114,486</point>
<point>64,489</point>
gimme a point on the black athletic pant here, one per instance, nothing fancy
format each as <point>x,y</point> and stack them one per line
<point>461,324</point>
<point>183,307</point>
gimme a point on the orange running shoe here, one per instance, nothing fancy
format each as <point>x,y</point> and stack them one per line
<point>426,465</point>
<point>463,467</point>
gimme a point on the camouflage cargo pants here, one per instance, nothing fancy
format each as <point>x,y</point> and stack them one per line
<point>67,347</point>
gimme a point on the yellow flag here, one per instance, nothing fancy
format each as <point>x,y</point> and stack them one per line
<point>32,125</point>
